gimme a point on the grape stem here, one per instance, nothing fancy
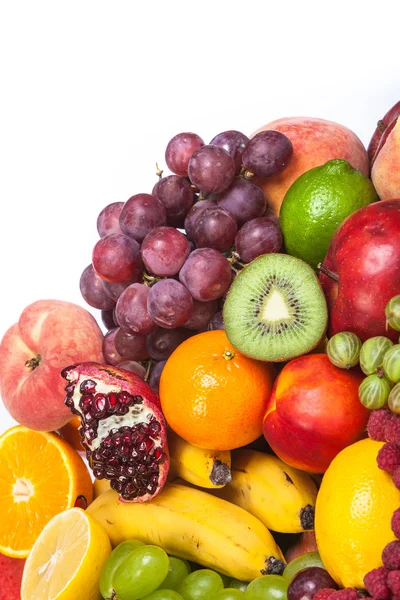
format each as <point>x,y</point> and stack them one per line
<point>148,368</point>
<point>328,272</point>
<point>159,171</point>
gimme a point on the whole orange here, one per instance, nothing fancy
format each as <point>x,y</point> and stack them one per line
<point>212,395</point>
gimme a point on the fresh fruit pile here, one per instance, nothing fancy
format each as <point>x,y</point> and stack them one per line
<point>236,431</point>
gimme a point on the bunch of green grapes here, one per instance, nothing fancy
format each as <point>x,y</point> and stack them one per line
<point>379,359</point>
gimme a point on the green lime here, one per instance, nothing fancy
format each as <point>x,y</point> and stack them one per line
<point>316,204</point>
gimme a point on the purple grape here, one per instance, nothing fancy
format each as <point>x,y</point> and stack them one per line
<point>267,153</point>
<point>179,151</point>
<point>164,250</point>
<point>216,322</point>
<point>177,195</point>
<point>155,374</point>
<point>108,219</point>
<point>211,169</point>
<point>244,199</point>
<point>130,345</point>
<point>133,367</point>
<point>215,228</point>
<point>256,237</point>
<point>206,274</point>
<point>116,258</point>
<point>114,290</point>
<point>169,303</point>
<point>308,582</point>
<point>234,142</point>
<point>92,290</point>
<point>192,215</point>
<point>108,318</point>
<point>162,342</point>
<point>201,314</point>
<point>141,214</point>
<point>131,310</point>
<point>111,356</point>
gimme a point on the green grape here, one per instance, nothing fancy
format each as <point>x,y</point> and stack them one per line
<point>391,364</point>
<point>374,391</point>
<point>229,594</point>
<point>372,353</point>
<point>308,559</point>
<point>163,595</point>
<point>142,571</point>
<point>112,563</point>
<point>203,584</point>
<point>267,587</point>
<point>394,399</point>
<point>178,570</point>
<point>392,313</point>
<point>343,350</point>
<point>238,585</point>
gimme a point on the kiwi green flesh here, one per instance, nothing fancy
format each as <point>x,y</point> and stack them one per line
<point>276,309</point>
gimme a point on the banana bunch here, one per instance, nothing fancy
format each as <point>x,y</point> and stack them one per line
<point>204,468</point>
<point>193,524</point>
<point>282,498</point>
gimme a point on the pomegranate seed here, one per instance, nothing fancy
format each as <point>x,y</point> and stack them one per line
<point>70,388</point>
<point>117,486</point>
<point>110,473</point>
<point>85,402</point>
<point>154,427</point>
<point>117,440</point>
<point>125,450</point>
<point>65,372</point>
<point>113,462</point>
<point>69,401</point>
<point>113,399</point>
<point>107,442</point>
<point>122,411</point>
<point>90,434</point>
<point>125,398</point>
<point>98,473</point>
<point>88,386</point>
<point>99,406</point>
<point>127,438</point>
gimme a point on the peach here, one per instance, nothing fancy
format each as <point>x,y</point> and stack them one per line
<point>315,141</point>
<point>385,171</point>
<point>50,335</point>
<point>314,412</point>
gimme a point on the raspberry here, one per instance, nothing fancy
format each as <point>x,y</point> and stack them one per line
<point>396,523</point>
<point>345,594</point>
<point>377,422</point>
<point>389,457</point>
<point>391,556</point>
<point>376,583</point>
<point>323,594</point>
<point>396,478</point>
<point>392,430</point>
<point>394,582</point>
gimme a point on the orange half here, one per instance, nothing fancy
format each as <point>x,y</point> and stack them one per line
<point>41,475</point>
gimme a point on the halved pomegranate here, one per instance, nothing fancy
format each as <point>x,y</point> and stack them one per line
<point>123,430</point>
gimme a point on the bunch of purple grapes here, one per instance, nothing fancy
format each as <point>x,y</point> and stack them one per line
<point>165,261</point>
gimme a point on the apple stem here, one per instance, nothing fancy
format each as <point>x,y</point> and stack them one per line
<point>328,272</point>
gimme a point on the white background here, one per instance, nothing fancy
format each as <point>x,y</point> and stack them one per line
<point>91,92</point>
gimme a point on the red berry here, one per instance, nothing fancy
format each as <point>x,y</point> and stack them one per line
<point>377,422</point>
<point>396,523</point>
<point>392,430</point>
<point>396,478</point>
<point>389,457</point>
<point>394,582</point>
<point>323,594</point>
<point>391,556</point>
<point>345,594</point>
<point>376,582</point>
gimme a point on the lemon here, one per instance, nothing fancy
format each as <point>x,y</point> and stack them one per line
<point>353,511</point>
<point>317,203</point>
<point>67,558</point>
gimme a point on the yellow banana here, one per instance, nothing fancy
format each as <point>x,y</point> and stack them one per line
<point>205,468</point>
<point>282,498</point>
<point>192,524</point>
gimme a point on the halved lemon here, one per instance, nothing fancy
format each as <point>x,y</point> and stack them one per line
<point>40,476</point>
<point>66,560</point>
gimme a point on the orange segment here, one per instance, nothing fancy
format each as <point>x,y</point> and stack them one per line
<point>40,476</point>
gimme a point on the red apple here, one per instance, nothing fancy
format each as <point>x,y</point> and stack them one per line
<point>361,271</point>
<point>315,141</point>
<point>384,154</point>
<point>314,412</point>
<point>10,577</point>
<point>49,336</point>
<point>305,543</point>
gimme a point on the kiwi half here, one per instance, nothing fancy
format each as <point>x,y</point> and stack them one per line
<point>276,309</point>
